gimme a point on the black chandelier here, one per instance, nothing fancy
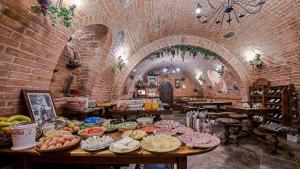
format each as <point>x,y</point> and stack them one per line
<point>227,10</point>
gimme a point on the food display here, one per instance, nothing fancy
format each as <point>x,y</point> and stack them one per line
<point>93,131</point>
<point>199,140</point>
<point>183,129</point>
<point>160,143</point>
<point>127,126</point>
<point>124,145</point>
<point>58,141</point>
<point>149,129</point>
<point>135,134</point>
<point>144,121</point>
<point>166,124</point>
<point>166,131</point>
<point>110,128</point>
<point>95,143</point>
<point>72,126</point>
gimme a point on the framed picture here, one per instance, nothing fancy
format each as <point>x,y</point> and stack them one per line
<point>177,83</point>
<point>152,80</point>
<point>40,105</point>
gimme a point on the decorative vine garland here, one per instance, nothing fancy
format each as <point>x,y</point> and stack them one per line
<point>183,50</point>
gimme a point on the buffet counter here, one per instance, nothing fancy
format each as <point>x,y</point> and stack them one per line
<point>79,156</point>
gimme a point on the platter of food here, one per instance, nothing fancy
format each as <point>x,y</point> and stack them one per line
<point>199,140</point>
<point>127,126</point>
<point>93,131</point>
<point>183,129</point>
<point>110,128</point>
<point>160,143</point>
<point>95,143</point>
<point>134,134</point>
<point>56,143</point>
<point>125,145</point>
<point>166,124</point>
<point>166,131</point>
<point>149,129</point>
<point>144,120</point>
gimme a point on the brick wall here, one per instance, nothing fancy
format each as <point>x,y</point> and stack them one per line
<point>29,51</point>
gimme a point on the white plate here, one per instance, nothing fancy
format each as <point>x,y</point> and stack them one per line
<point>96,149</point>
<point>162,151</point>
<point>130,150</point>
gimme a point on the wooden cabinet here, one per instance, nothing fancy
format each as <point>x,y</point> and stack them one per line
<point>282,97</point>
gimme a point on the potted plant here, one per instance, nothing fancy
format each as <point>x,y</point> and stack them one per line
<point>256,62</point>
<point>57,12</point>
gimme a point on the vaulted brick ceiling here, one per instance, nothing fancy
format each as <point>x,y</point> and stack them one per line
<point>145,22</point>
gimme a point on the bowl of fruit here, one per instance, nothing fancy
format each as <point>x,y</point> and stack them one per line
<point>93,131</point>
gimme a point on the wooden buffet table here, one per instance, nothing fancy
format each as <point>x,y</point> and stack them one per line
<point>79,156</point>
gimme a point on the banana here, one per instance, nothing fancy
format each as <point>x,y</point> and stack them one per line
<point>3,118</point>
<point>5,124</point>
<point>6,130</point>
<point>19,118</point>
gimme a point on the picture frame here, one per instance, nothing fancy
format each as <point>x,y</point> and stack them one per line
<point>153,80</point>
<point>40,105</point>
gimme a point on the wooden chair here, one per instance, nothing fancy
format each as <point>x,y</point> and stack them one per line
<point>228,123</point>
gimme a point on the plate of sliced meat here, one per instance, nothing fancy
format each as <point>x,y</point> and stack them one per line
<point>199,140</point>
<point>166,131</point>
<point>166,124</point>
<point>183,129</point>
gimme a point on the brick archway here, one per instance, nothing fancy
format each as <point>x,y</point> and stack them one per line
<point>187,40</point>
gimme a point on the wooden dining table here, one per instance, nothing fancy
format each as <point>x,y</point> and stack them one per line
<point>262,111</point>
<point>77,155</point>
<point>212,103</point>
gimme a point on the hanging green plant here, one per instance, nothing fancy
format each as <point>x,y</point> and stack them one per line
<point>256,62</point>
<point>57,12</point>
<point>120,64</point>
<point>183,49</point>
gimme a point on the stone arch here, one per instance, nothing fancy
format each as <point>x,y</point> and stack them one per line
<point>187,40</point>
<point>90,45</point>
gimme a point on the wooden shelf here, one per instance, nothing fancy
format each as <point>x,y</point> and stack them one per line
<point>273,96</point>
<point>275,120</point>
<point>277,104</point>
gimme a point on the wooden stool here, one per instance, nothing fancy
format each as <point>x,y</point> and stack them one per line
<point>227,123</point>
